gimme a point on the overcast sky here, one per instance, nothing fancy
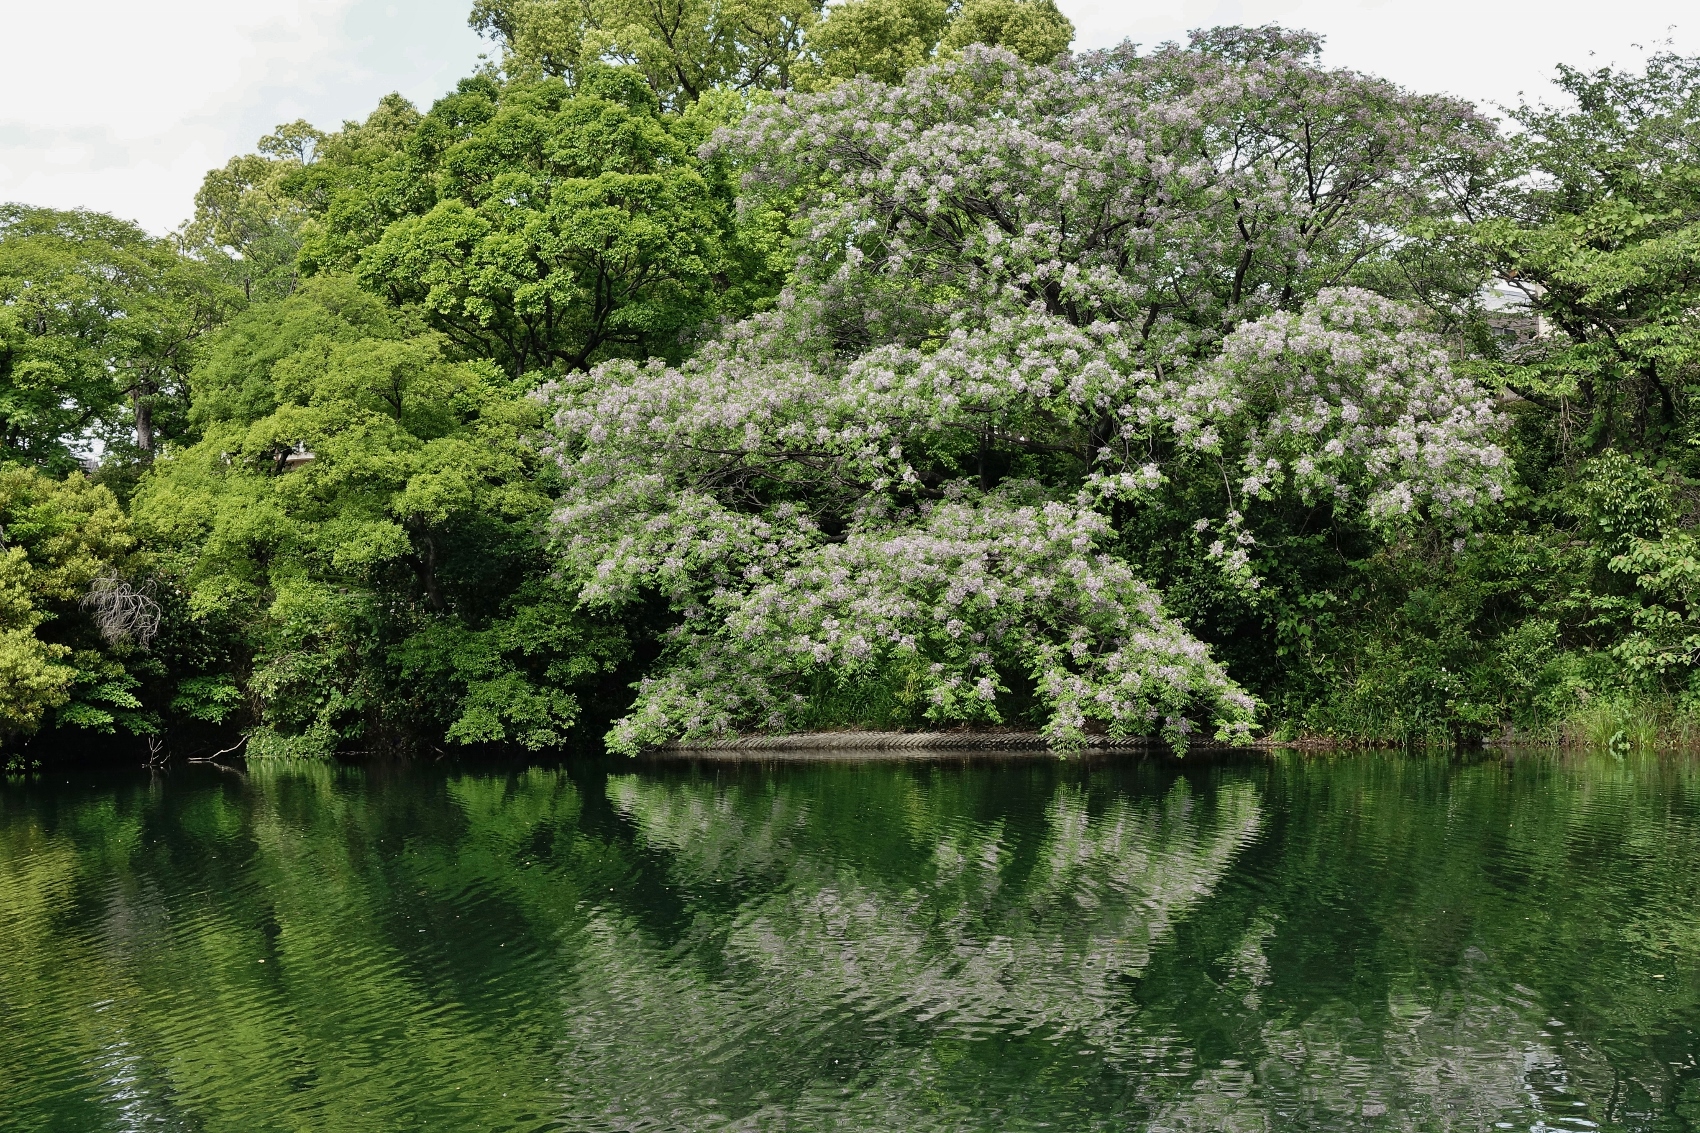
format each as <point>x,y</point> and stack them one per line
<point>122,105</point>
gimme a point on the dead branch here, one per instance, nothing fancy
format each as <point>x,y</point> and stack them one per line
<point>121,611</point>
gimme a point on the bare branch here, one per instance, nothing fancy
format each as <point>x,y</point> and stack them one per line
<point>123,612</point>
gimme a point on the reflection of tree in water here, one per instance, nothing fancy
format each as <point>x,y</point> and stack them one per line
<point>284,986</point>
<point>779,1012</point>
<point>1461,1060</point>
<point>1004,985</point>
<point>1505,924</point>
<point>1388,943</point>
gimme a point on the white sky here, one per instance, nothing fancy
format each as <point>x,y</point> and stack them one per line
<point>122,105</point>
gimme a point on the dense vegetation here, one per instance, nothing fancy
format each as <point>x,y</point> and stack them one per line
<point>757,365</point>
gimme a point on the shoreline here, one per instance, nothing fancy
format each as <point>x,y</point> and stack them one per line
<point>867,745</point>
<point>859,745</point>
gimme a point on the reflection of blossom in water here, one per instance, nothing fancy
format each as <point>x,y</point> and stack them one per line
<point>1103,890</point>
<point>898,948</point>
<point>834,961</point>
<point>835,997</point>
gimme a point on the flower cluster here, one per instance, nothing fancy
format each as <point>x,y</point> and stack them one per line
<point>962,598</point>
<point>1355,398</point>
<point>1174,192</point>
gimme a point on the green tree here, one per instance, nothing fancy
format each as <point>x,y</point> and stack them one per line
<point>535,224</point>
<point>683,48</point>
<point>1604,241</point>
<point>687,48</point>
<point>1034,29</point>
<point>360,520</point>
<point>1578,609</point>
<point>70,616</point>
<point>885,39</point>
<point>99,328</point>
<point>880,39</point>
<point>245,223</point>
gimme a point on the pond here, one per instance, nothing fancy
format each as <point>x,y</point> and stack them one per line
<point>1227,942</point>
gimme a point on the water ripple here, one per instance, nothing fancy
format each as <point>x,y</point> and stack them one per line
<point>1257,943</point>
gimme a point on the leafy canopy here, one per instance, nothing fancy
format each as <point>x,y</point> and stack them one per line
<point>1602,238</point>
<point>247,225</point>
<point>533,223</point>
<point>683,48</point>
<point>58,539</point>
<point>686,49</point>
<point>361,515</point>
<point>1024,305</point>
<point>884,39</point>
<point>99,327</point>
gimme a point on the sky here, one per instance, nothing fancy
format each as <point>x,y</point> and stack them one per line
<point>123,105</point>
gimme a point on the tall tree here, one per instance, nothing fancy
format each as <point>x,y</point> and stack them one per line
<point>99,324</point>
<point>684,48</point>
<point>1600,233</point>
<point>881,39</point>
<point>72,615</point>
<point>245,223</point>
<point>1603,238</point>
<point>535,223</point>
<point>1034,29</point>
<point>884,39</point>
<point>1040,316</point>
<point>358,529</point>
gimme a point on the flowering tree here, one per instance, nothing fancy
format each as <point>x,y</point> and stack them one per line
<point>1029,297</point>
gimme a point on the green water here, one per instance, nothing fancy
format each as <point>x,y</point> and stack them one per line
<point>1244,943</point>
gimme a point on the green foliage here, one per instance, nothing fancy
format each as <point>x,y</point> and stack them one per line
<point>687,49</point>
<point>534,223</point>
<point>1595,228</point>
<point>99,326</point>
<point>245,224</point>
<point>885,39</point>
<point>57,539</point>
<point>1034,29</point>
<point>683,48</point>
<point>360,519</point>
<point>1603,240</point>
<point>880,39</point>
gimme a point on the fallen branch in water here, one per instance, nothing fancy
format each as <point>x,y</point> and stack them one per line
<point>213,758</point>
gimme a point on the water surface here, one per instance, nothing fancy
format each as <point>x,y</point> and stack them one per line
<point>1235,943</point>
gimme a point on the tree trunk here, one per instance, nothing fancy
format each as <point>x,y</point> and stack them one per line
<point>428,575</point>
<point>144,423</point>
